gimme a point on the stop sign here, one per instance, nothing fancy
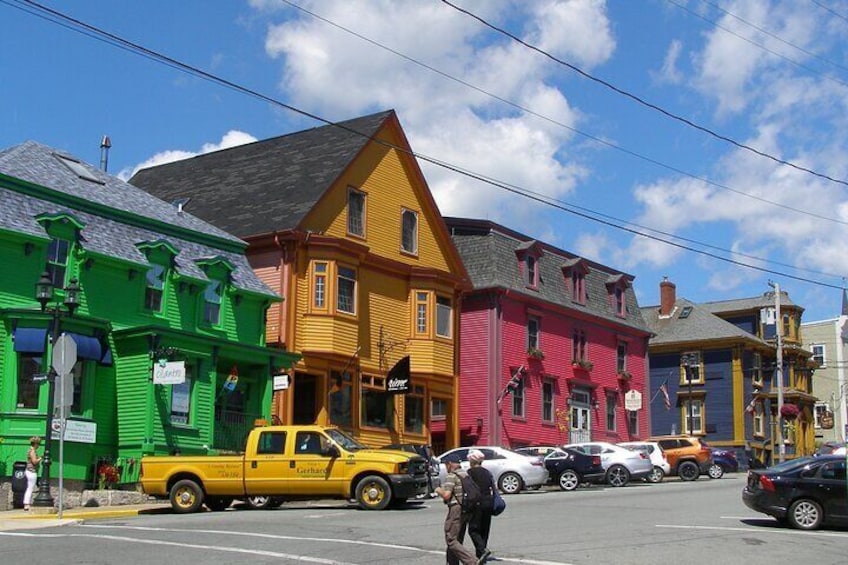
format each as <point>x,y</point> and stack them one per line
<point>64,354</point>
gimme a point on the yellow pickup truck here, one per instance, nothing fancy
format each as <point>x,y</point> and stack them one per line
<point>287,462</point>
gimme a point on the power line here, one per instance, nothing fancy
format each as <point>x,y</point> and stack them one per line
<point>824,7</point>
<point>567,127</point>
<point>642,101</point>
<point>117,41</point>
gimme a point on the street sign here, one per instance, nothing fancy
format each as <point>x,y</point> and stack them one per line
<point>40,377</point>
<point>64,354</point>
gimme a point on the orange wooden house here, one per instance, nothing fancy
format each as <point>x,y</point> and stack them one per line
<point>342,224</point>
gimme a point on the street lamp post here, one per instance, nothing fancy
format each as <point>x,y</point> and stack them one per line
<point>44,295</point>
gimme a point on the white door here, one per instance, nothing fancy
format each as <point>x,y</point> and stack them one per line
<point>580,424</point>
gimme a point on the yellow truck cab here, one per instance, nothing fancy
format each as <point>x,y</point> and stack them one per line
<point>288,462</point>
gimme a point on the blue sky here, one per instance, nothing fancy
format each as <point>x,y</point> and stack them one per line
<point>771,75</point>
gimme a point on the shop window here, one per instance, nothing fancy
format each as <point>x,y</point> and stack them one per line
<point>181,401</point>
<point>413,411</point>
<point>376,403</point>
<point>78,374</point>
<point>154,288</point>
<point>548,401</point>
<point>444,316</point>
<point>28,366</point>
<point>341,399</point>
<point>355,212</point>
<point>409,231</point>
<point>612,401</point>
<point>346,299</point>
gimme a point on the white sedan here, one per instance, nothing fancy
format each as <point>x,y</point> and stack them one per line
<point>512,471</point>
<point>620,463</point>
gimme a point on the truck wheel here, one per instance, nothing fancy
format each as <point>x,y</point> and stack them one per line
<point>259,502</point>
<point>186,496</point>
<point>217,503</point>
<point>373,493</point>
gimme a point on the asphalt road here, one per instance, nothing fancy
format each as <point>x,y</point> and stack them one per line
<point>672,522</point>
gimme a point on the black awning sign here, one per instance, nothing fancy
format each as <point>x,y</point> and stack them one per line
<point>399,379</point>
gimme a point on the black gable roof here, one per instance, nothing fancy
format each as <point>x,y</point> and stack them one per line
<point>264,186</point>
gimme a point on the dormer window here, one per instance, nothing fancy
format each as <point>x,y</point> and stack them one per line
<point>528,254</point>
<point>530,271</point>
<point>578,287</point>
<point>155,288</point>
<point>212,303</point>
<point>617,288</point>
<point>57,261</point>
<point>218,270</point>
<point>619,301</point>
<point>160,254</point>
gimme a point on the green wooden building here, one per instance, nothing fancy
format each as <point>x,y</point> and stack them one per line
<point>169,331</point>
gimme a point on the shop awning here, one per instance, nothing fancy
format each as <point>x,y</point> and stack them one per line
<point>30,340</point>
<point>87,347</point>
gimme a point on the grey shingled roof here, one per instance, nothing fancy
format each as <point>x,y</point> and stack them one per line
<point>137,218</point>
<point>753,303</point>
<point>265,186</point>
<point>700,325</point>
<point>488,251</point>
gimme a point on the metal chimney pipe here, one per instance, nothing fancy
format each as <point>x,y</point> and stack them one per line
<point>105,144</point>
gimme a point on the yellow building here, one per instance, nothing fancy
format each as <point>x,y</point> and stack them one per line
<point>341,223</point>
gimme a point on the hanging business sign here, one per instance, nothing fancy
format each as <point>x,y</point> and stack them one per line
<point>827,420</point>
<point>399,379</point>
<point>281,382</point>
<point>169,373</point>
<point>633,400</point>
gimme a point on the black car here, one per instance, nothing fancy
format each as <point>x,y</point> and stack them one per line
<point>805,493</point>
<point>568,468</point>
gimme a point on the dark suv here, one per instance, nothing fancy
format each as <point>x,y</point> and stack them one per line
<point>688,456</point>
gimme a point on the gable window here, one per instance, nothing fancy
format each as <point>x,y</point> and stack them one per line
<point>693,412</point>
<point>530,271</point>
<point>690,367</point>
<point>518,400</point>
<point>355,212</point>
<point>547,400</point>
<point>444,315</point>
<point>421,312</point>
<point>181,400</point>
<point>578,346</point>
<point>28,366</point>
<point>578,286</point>
<point>341,399</point>
<point>612,400</point>
<point>376,404</point>
<point>621,357</point>
<point>759,420</point>
<point>409,231</point>
<point>57,261</point>
<point>757,369</point>
<point>532,333</point>
<point>212,302</point>
<point>620,309</point>
<point>319,285</point>
<point>154,288</point>
<point>819,354</point>
<point>413,410</point>
<point>346,299</point>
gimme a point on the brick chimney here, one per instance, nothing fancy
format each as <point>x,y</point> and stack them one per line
<point>668,296</point>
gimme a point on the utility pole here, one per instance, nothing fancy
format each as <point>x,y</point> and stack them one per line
<point>778,326</point>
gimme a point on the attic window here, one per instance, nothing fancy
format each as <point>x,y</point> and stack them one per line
<point>685,312</point>
<point>77,168</point>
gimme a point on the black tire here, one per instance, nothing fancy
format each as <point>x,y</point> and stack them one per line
<point>398,502</point>
<point>688,471</point>
<point>259,502</point>
<point>373,493</point>
<point>805,514</point>
<point>656,475</point>
<point>510,483</point>
<point>217,503</point>
<point>618,476</point>
<point>186,496</point>
<point>276,502</point>
<point>716,471</point>
<point>569,480</point>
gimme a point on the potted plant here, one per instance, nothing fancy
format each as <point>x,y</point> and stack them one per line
<point>584,364</point>
<point>535,353</point>
<point>625,375</point>
<point>789,411</point>
<point>107,476</point>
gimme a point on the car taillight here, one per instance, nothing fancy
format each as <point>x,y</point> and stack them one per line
<point>767,484</point>
<point>596,460</point>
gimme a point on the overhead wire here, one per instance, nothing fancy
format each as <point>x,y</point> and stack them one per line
<point>642,101</point>
<point>117,41</point>
<point>827,8</point>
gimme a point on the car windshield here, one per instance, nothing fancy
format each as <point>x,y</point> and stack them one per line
<point>344,441</point>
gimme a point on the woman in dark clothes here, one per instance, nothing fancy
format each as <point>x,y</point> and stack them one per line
<point>481,520</point>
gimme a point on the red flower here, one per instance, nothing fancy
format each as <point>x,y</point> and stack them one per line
<point>108,473</point>
<point>789,411</point>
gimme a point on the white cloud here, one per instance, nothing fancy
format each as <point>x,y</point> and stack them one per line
<point>232,138</point>
<point>669,72</point>
<point>575,30</point>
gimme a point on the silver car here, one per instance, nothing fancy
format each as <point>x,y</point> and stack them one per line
<point>655,453</point>
<point>512,471</point>
<point>620,463</point>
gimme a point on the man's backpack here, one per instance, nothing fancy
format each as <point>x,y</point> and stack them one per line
<point>471,494</point>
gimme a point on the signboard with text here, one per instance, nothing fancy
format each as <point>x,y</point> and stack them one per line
<point>633,400</point>
<point>75,430</point>
<point>169,373</point>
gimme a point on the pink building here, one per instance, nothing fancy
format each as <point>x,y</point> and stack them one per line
<point>552,345</point>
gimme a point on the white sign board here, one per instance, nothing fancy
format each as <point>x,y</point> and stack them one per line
<point>633,400</point>
<point>281,382</point>
<point>75,430</point>
<point>170,373</point>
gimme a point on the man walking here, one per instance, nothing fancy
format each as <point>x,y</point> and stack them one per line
<point>455,521</point>
<point>480,521</point>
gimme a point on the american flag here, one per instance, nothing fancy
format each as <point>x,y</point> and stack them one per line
<point>666,399</point>
<point>750,408</point>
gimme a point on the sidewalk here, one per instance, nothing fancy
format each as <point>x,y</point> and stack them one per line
<point>21,520</point>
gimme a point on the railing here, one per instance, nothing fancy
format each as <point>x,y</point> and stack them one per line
<point>231,429</point>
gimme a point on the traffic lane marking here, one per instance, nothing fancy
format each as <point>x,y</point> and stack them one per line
<point>440,552</point>
<point>183,545</point>
<point>766,530</point>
